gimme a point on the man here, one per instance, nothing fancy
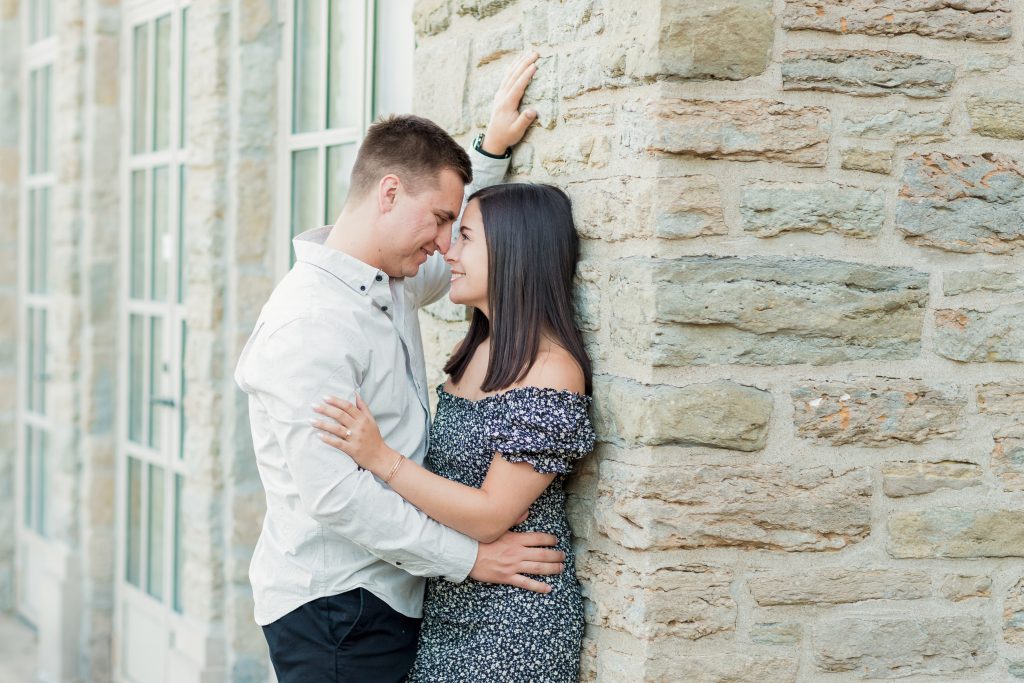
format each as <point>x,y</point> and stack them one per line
<point>336,572</point>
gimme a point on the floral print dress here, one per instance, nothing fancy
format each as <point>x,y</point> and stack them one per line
<point>477,632</point>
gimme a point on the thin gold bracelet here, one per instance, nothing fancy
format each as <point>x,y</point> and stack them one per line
<point>394,468</point>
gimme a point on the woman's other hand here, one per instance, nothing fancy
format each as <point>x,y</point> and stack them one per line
<point>351,429</point>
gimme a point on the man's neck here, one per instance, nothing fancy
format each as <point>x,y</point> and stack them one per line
<point>353,234</point>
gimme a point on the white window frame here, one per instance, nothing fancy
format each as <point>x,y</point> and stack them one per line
<point>30,543</point>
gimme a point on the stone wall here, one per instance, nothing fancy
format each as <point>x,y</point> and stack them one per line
<point>801,287</point>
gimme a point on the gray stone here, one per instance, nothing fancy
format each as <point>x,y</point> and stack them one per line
<point>893,647</point>
<point>876,412</point>
<point>858,158</point>
<point>442,65</point>
<point>716,39</point>
<point>958,19</point>
<point>556,23</point>
<point>670,663</point>
<point>956,532</point>
<point>776,633</point>
<point>898,126</point>
<point>866,72</point>
<point>963,282</point>
<point>771,507</point>
<point>1015,669</point>
<point>431,16</point>
<point>719,414</point>
<point>482,8</point>
<point>997,114</point>
<point>767,310</point>
<point>739,130</point>
<point>497,43</point>
<point>957,587</point>
<point>980,336</point>
<point>1001,399</point>
<point>837,585</point>
<point>687,601</point>
<point>1008,456</point>
<point>915,478</point>
<point>963,203</point>
<point>769,209</point>
<point>1013,614</point>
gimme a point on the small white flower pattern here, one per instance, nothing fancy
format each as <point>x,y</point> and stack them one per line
<point>475,632</point>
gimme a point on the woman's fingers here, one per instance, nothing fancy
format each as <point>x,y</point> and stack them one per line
<point>337,414</point>
<point>342,405</point>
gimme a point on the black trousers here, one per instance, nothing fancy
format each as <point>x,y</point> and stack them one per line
<point>353,637</point>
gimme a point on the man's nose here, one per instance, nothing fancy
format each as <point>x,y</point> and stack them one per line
<point>444,239</point>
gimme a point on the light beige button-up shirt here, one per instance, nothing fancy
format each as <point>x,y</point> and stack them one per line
<point>334,326</point>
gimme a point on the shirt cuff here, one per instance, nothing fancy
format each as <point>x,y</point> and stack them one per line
<point>487,170</point>
<point>463,557</point>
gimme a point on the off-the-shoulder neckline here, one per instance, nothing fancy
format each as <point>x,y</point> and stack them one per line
<point>546,390</point>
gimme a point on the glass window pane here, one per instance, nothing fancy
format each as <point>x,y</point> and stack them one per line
<point>161,246</point>
<point>182,253</point>
<point>157,372</point>
<point>138,245</point>
<point>340,159</point>
<point>30,360</point>
<point>41,228</point>
<point>135,397</point>
<point>29,502</point>
<point>33,248</point>
<point>33,123</point>
<point>345,64</point>
<point>305,181</point>
<point>162,83</point>
<point>140,99</point>
<point>307,113</point>
<point>179,550</point>
<point>133,522</point>
<point>41,362</point>
<point>155,537</point>
<point>182,423</point>
<point>183,103</point>
<point>42,525</point>
<point>44,116</point>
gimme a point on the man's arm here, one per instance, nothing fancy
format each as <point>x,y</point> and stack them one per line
<point>506,128</point>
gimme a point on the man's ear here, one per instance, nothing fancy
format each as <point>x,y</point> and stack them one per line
<point>387,192</point>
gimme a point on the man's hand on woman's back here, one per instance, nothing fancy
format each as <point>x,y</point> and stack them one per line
<point>515,554</point>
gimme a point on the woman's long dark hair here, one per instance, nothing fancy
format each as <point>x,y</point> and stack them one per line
<point>532,250</point>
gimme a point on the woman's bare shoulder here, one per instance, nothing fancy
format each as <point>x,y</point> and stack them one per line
<point>555,368</point>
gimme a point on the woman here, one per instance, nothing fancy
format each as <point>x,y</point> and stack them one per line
<point>511,420</point>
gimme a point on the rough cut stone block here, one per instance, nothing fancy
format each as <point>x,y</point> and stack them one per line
<point>898,126</point>
<point>956,532</point>
<point>769,209</point>
<point>740,130</point>
<point>431,17</point>
<point>964,282</point>
<point>866,72</point>
<point>719,414</point>
<point>965,203</point>
<point>893,647</point>
<point>957,587</point>
<point>767,310</point>
<point>1015,668</point>
<point>556,23</point>
<point>915,478</point>
<point>857,158</point>
<point>442,66</point>
<point>1008,456</point>
<point>997,115</point>
<point>716,39</point>
<point>497,43</point>
<point>1001,399</point>
<point>670,663</point>
<point>688,601</point>
<point>624,207</point>
<point>776,633</point>
<point>482,8</point>
<point>980,336</point>
<point>772,507</point>
<point>837,585</point>
<point>1013,615</point>
<point>975,19</point>
<point>876,412</point>
<point>575,155</point>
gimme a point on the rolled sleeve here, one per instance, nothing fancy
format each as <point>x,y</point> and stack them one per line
<point>298,365</point>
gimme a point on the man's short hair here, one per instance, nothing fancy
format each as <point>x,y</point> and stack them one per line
<point>411,147</point>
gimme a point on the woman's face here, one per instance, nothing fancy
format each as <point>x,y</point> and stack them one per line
<point>468,259</point>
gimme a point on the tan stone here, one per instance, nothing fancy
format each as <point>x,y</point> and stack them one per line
<point>651,600</point>
<point>866,73</point>
<point>739,130</point>
<point>837,585</point>
<point>956,533</point>
<point>1008,457</point>
<point>997,114</point>
<point>915,478</point>
<point>963,282</point>
<point>431,16</point>
<point>897,125</point>
<point>1001,398</point>
<point>970,335</point>
<point>718,414</point>
<point>876,412</point>
<point>976,19</point>
<point>1013,614</point>
<point>577,154</point>
<point>441,67</point>
<point>857,158</point>
<point>772,507</point>
<point>957,587</point>
<point>777,633</point>
<point>669,663</point>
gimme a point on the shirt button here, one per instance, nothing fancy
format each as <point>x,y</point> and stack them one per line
<point>384,308</point>
<point>362,288</point>
<point>379,278</point>
<point>398,564</point>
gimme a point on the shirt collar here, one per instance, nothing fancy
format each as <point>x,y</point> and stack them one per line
<point>361,277</point>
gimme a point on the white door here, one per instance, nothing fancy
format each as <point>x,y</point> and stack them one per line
<point>152,337</point>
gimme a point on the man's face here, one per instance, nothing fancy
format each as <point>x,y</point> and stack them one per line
<point>420,224</point>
